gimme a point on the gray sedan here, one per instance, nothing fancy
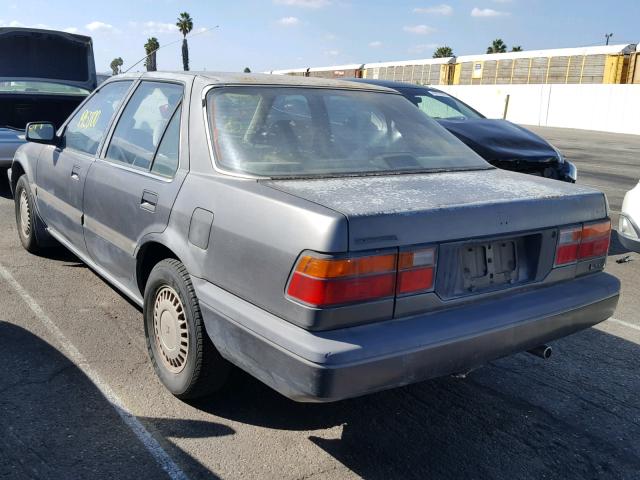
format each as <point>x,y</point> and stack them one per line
<point>325,236</point>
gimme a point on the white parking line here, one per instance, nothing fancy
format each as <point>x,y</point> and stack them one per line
<point>150,443</point>
<point>626,324</point>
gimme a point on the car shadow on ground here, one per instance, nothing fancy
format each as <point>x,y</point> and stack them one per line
<point>5,188</point>
<point>575,416</point>
<point>615,247</point>
<point>55,423</point>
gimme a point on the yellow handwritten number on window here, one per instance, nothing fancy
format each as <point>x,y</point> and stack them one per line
<point>89,119</point>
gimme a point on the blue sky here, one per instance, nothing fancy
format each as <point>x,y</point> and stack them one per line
<point>273,34</point>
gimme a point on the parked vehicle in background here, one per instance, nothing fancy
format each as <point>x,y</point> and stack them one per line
<point>500,142</point>
<point>44,74</point>
<point>629,223</point>
<point>324,236</point>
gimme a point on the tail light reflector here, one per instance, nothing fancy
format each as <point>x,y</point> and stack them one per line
<point>568,244</point>
<point>595,240</point>
<point>325,281</point>
<point>583,242</point>
<point>416,270</point>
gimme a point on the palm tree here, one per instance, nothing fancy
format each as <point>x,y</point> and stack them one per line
<point>115,65</point>
<point>517,48</point>
<point>185,25</point>
<point>497,46</point>
<point>150,48</point>
<point>443,52</point>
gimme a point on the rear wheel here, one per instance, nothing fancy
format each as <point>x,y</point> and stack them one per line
<point>182,354</point>
<point>31,230</point>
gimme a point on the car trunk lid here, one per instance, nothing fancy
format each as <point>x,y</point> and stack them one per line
<point>45,55</point>
<point>402,210</point>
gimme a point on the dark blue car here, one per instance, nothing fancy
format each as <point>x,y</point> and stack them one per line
<point>500,142</point>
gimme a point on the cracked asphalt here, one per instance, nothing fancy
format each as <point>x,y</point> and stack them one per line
<point>576,416</point>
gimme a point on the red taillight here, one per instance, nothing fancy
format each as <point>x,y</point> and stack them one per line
<point>595,240</point>
<point>583,242</point>
<point>415,270</point>
<point>325,281</point>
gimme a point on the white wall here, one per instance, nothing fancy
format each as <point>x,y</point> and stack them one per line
<point>608,108</point>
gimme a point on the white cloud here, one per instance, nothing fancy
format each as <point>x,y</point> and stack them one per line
<point>97,26</point>
<point>71,30</point>
<point>289,21</point>
<point>332,53</point>
<point>303,3</point>
<point>375,44</point>
<point>502,1</point>
<point>419,29</point>
<point>442,9</point>
<point>330,37</point>
<point>487,12</point>
<point>18,24</point>
<point>422,48</point>
<point>153,27</point>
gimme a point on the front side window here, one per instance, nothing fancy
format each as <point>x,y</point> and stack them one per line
<point>297,131</point>
<point>87,127</point>
<point>143,123</point>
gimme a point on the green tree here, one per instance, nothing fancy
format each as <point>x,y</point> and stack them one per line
<point>247,70</point>
<point>517,48</point>
<point>185,25</point>
<point>115,65</point>
<point>497,46</point>
<point>150,48</point>
<point>443,52</point>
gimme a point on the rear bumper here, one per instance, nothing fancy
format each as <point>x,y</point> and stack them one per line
<point>349,362</point>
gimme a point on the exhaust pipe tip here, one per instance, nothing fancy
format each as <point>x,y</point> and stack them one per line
<point>542,351</point>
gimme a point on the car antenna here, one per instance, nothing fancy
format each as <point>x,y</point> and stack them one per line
<point>204,30</point>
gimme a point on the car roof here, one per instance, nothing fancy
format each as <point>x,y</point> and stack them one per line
<point>226,78</point>
<point>393,85</point>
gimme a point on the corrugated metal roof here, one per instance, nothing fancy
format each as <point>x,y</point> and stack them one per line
<point>554,52</point>
<point>291,70</point>
<point>402,63</point>
<point>351,66</point>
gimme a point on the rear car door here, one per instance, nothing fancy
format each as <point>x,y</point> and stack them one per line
<point>130,190</point>
<point>62,170</point>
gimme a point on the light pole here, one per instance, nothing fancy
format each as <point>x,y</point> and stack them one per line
<point>608,36</point>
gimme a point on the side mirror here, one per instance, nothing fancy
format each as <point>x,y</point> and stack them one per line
<point>41,132</point>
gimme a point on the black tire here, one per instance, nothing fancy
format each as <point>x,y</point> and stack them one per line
<point>34,236</point>
<point>202,370</point>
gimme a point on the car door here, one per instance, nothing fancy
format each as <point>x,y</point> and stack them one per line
<point>61,170</point>
<point>130,190</point>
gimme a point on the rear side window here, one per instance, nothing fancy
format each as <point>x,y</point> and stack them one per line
<point>143,123</point>
<point>87,127</point>
<point>166,160</point>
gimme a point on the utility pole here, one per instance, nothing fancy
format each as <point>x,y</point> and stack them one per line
<point>608,36</point>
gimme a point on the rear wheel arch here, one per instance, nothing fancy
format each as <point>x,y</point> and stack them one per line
<point>149,255</point>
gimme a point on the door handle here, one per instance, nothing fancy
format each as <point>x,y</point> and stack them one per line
<point>149,201</point>
<point>75,172</point>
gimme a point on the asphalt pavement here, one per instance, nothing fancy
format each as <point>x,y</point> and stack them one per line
<point>67,339</point>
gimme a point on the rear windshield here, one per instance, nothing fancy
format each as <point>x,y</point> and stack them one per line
<point>41,88</point>
<point>291,131</point>
<point>439,105</point>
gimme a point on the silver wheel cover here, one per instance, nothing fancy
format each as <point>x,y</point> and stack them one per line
<point>171,330</point>
<point>25,214</point>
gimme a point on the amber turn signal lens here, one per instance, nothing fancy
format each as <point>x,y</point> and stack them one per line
<point>348,267</point>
